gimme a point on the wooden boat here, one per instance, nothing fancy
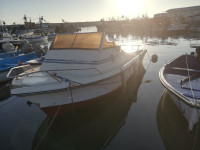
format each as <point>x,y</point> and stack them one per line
<point>181,78</point>
<point>77,68</point>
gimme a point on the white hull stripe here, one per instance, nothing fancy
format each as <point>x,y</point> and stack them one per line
<point>61,61</point>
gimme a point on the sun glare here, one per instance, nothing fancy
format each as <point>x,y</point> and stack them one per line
<point>129,7</point>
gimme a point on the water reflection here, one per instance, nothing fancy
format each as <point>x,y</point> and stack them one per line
<point>173,127</point>
<point>93,126</point>
<point>19,122</point>
<point>4,92</point>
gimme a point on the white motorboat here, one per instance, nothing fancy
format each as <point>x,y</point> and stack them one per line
<point>77,68</point>
<point>181,78</point>
<point>35,38</point>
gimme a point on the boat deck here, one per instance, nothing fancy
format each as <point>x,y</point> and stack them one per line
<point>183,76</point>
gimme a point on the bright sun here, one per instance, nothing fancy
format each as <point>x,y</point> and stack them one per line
<point>129,7</point>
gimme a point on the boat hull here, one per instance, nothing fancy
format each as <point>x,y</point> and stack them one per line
<point>190,113</point>
<point>176,77</point>
<point>50,101</point>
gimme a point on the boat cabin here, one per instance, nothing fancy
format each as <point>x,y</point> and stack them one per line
<point>89,41</point>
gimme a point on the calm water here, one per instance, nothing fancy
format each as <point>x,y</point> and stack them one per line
<point>142,116</point>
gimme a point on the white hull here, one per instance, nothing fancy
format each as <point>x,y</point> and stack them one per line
<point>183,86</point>
<point>77,71</point>
<point>190,113</point>
<point>83,93</point>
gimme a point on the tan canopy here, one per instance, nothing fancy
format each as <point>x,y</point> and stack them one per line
<point>80,41</point>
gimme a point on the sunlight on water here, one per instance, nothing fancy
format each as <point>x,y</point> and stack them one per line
<point>129,48</point>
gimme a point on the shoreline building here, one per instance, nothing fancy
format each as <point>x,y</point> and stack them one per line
<point>184,12</point>
<point>186,18</point>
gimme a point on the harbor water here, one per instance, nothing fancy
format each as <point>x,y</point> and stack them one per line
<point>141,116</point>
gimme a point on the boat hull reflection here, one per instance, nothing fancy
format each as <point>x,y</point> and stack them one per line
<point>92,126</point>
<point>173,126</point>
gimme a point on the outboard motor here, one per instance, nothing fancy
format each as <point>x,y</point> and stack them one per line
<point>38,50</point>
<point>8,47</point>
<point>27,48</point>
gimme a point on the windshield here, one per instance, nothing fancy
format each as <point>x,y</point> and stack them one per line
<point>80,41</point>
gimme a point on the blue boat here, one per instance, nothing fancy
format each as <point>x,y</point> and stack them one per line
<point>10,60</point>
<point>14,52</point>
<point>11,54</point>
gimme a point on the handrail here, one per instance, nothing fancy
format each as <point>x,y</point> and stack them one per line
<point>132,45</point>
<point>13,70</point>
<point>50,73</point>
<point>125,65</point>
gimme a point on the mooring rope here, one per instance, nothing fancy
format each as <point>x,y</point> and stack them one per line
<point>194,144</point>
<point>189,79</point>
<point>46,131</point>
<point>148,56</point>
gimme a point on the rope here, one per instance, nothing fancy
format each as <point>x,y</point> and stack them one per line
<point>148,56</point>
<point>194,144</point>
<point>37,146</point>
<point>71,96</point>
<point>108,139</point>
<point>189,79</point>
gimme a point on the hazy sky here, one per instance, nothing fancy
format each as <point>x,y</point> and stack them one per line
<point>84,10</point>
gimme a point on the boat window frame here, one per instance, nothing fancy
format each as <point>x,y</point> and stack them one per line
<point>102,45</point>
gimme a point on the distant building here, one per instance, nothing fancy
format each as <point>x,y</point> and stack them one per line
<point>184,12</point>
<point>160,15</point>
<point>179,19</point>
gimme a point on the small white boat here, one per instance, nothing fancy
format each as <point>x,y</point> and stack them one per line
<point>77,68</point>
<point>35,38</point>
<point>181,77</point>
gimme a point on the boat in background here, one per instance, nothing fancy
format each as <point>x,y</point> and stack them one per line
<point>35,38</point>
<point>6,37</point>
<point>181,77</point>
<point>77,69</point>
<point>7,63</point>
<point>195,43</point>
<point>11,57</point>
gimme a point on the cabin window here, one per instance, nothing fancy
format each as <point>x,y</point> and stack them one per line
<point>80,41</point>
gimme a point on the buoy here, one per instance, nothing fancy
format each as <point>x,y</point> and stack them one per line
<point>192,53</point>
<point>154,58</point>
<point>148,81</point>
